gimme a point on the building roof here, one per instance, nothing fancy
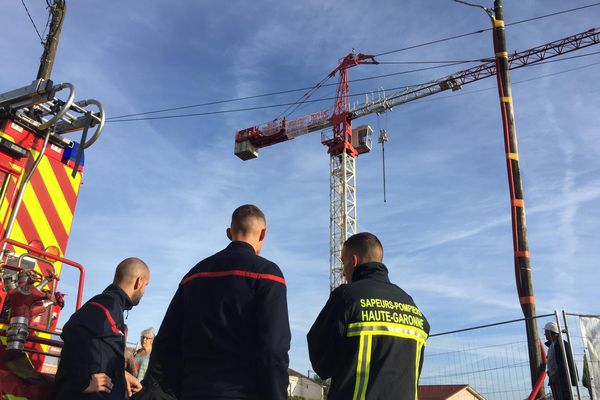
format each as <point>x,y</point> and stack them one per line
<point>442,392</point>
<point>292,372</point>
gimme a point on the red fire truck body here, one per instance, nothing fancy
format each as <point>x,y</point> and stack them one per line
<point>40,176</point>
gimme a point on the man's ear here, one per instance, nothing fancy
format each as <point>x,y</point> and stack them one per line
<point>138,283</point>
<point>229,236</point>
<point>263,234</point>
<point>356,260</point>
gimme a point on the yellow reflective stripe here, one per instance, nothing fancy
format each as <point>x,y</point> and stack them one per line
<point>498,23</point>
<point>388,333</point>
<point>5,198</point>
<point>7,137</point>
<point>38,217</point>
<point>17,234</point>
<point>56,192</point>
<point>506,99</point>
<point>418,361</point>
<point>367,367</point>
<point>75,182</point>
<point>359,362</point>
<point>363,367</point>
<point>387,329</point>
<point>512,156</point>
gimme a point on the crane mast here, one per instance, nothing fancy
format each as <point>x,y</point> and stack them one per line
<point>346,143</point>
<point>342,170</point>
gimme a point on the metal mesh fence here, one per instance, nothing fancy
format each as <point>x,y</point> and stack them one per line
<point>489,362</point>
<point>571,323</point>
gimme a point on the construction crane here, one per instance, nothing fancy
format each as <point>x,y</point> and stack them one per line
<point>346,143</point>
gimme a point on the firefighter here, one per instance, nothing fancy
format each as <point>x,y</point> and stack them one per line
<point>226,333</point>
<point>92,364</point>
<point>370,336</point>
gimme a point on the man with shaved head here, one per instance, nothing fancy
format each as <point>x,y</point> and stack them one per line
<point>92,364</point>
<point>370,336</point>
<point>226,333</point>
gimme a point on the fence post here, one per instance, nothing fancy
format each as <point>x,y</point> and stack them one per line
<point>571,345</point>
<point>564,354</point>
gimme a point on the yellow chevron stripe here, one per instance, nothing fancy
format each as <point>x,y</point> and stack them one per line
<point>17,235</point>
<point>56,193</point>
<point>6,136</point>
<point>39,218</point>
<point>76,182</point>
<point>4,203</point>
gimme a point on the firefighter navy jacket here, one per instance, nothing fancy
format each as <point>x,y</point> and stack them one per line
<point>94,342</point>
<point>226,332</point>
<point>369,339</point>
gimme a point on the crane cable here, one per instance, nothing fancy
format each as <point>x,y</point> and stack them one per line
<point>294,106</point>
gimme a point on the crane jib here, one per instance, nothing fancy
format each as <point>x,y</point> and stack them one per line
<point>249,140</point>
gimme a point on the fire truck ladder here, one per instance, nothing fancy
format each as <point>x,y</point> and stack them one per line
<point>346,144</point>
<point>38,108</point>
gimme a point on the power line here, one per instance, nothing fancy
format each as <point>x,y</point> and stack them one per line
<point>49,8</point>
<point>33,23</point>
<point>432,62</point>
<point>216,102</point>
<point>486,30</point>
<point>464,93</point>
<point>553,14</point>
<point>353,80</point>
<point>356,95</point>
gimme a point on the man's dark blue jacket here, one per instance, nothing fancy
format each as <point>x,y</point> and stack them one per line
<point>226,333</point>
<point>94,342</point>
<point>369,339</point>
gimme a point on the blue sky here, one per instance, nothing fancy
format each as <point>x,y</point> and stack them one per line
<point>164,190</point>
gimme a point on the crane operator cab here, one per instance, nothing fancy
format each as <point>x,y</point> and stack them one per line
<point>362,138</point>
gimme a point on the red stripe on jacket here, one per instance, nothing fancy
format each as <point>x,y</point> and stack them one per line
<point>109,317</point>
<point>233,272</point>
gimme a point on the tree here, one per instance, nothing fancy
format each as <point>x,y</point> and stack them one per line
<point>323,382</point>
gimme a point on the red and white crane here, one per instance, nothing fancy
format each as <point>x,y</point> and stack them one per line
<point>346,143</point>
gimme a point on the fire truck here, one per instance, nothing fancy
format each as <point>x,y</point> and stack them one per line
<point>41,171</point>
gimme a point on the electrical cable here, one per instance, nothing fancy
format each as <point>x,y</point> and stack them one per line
<point>486,30</point>
<point>49,8</point>
<point>361,79</point>
<point>355,95</point>
<point>433,62</point>
<point>463,93</point>
<point>210,103</point>
<point>33,23</point>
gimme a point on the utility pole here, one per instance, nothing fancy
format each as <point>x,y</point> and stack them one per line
<point>519,227</point>
<point>58,10</point>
